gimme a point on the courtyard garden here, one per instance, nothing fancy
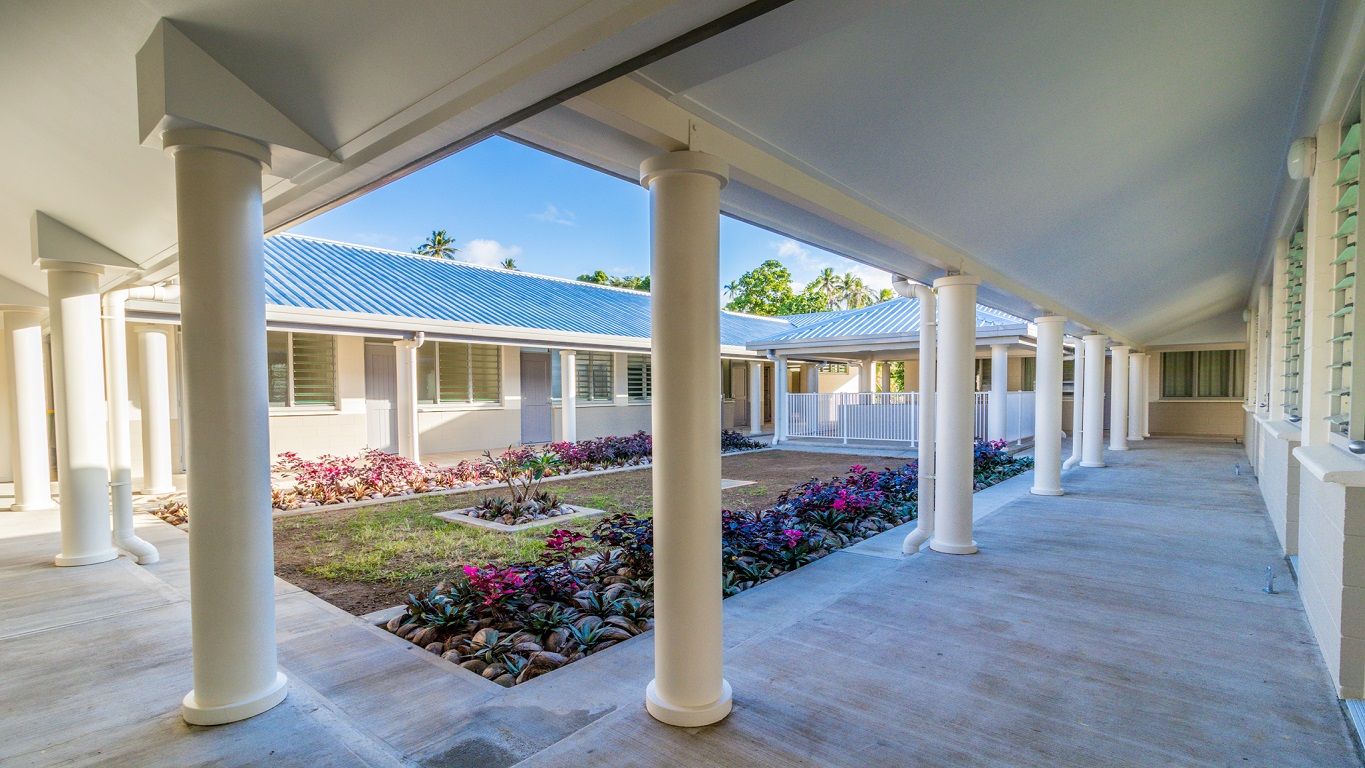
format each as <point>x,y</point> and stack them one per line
<point>514,605</point>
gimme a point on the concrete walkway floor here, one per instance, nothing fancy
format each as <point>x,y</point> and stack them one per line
<point>1122,624</point>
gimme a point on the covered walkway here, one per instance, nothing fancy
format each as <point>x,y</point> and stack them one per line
<point>1123,623</point>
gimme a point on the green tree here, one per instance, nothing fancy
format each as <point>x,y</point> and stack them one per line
<point>827,284</point>
<point>633,282</point>
<point>886,294</point>
<point>763,290</point>
<point>509,263</point>
<point>439,245</point>
<point>853,293</point>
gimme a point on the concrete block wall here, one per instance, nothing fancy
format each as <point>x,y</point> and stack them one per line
<point>1277,472</point>
<point>1331,569</point>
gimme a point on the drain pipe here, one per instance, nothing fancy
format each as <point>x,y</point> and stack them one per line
<point>1077,404</point>
<point>120,442</point>
<point>928,392</point>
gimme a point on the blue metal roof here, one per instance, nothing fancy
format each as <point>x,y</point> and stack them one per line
<point>319,274</point>
<point>898,317</point>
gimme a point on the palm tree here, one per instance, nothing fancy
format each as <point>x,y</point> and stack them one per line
<point>439,245</point>
<point>886,295</point>
<point>508,263</point>
<point>827,284</point>
<point>853,292</point>
<point>732,289</point>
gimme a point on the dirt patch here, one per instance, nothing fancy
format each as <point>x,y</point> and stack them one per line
<point>366,559</point>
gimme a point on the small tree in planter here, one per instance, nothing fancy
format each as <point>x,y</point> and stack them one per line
<point>522,472</point>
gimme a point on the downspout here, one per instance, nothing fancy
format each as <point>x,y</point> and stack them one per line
<point>928,375</point>
<point>120,442</point>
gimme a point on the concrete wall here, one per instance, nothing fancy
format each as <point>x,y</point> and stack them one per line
<point>1277,472</point>
<point>1331,570</point>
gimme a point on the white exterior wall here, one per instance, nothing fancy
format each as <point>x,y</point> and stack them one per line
<point>446,428</point>
<point>338,432</point>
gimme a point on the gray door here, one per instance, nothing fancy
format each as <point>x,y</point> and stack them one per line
<point>381,397</point>
<point>535,397</point>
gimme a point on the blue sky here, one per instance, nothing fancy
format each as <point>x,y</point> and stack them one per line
<point>554,217</point>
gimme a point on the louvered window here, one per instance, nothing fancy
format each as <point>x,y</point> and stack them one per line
<point>301,370</point>
<point>1293,328</point>
<point>639,378</point>
<point>452,372</point>
<point>1343,415</point>
<point>594,376</point>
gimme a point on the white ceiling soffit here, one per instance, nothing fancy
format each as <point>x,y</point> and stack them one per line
<point>382,86</point>
<point>1120,161</point>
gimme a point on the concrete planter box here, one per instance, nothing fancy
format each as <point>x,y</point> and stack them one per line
<point>455,516</point>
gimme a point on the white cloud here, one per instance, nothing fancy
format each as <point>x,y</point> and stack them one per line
<point>805,264</point>
<point>553,215</point>
<point>489,253</point>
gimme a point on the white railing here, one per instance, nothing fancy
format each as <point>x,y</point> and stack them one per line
<point>1018,416</point>
<point>891,417</point>
<point>845,416</point>
<point>981,414</point>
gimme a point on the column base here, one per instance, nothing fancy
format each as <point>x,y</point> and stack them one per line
<point>1046,491</point>
<point>688,717</point>
<point>157,491</point>
<point>33,507</point>
<point>99,557</point>
<point>953,549</point>
<point>1118,447</point>
<point>1093,464</point>
<point>194,714</point>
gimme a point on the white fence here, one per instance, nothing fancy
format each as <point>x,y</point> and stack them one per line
<point>844,416</point>
<point>889,417</point>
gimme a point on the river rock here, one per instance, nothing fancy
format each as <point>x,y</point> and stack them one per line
<point>476,666</point>
<point>548,660</point>
<point>436,648</point>
<point>506,681</point>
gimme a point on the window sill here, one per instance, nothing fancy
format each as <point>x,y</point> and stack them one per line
<point>1332,464</point>
<point>276,410</point>
<point>1237,400</point>
<point>585,404</point>
<point>443,407</point>
<point>1281,430</point>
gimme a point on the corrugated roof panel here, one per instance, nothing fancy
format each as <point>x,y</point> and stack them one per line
<point>896,317</point>
<point>318,274</point>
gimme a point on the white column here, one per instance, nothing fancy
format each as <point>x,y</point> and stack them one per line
<point>1077,405</point>
<point>811,377</point>
<point>119,434</point>
<point>689,687</point>
<point>1092,430</point>
<point>568,395</point>
<point>222,307</point>
<point>997,408</point>
<point>884,370</point>
<point>1047,413</point>
<point>409,432</point>
<point>1118,400</point>
<point>28,411</point>
<point>867,376</point>
<point>1135,361</point>
<point>1145,399</point>
<point>781,380</point>
<point>154,390</point>
<point>755,398</point>
<point>78,399</point>
<point>956,405</point>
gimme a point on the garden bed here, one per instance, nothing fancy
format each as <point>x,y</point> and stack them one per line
<point>467,516</point>
<point>514,606</point>
<point>511,622</point>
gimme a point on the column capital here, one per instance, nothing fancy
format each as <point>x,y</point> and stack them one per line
<point>152,328</point>
<point>176,139</point>
<point>1045,319</point>
<point>949,280</point>
<point>685,161</point>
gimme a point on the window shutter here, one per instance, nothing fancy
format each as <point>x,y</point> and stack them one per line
<point>638,379</point>
<point>1293,330</point>
<point>1343,292</point>
<point>314,370</point>
<point>452,362</point>
<point>486,373</point>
